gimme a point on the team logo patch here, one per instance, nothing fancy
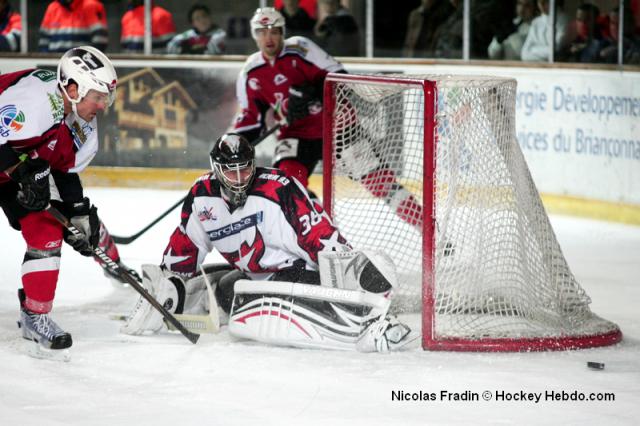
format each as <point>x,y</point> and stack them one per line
<point>206,214</point>
<point>253,83</point>
<point>236,227</point>
<point>11,120</point>
<point>279,79</point>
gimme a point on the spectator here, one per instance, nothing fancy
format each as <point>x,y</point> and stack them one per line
<point>536,46</point>
<point>448,37</point>
<point>162,28</point>
<point>630,43</point>
<point>204,38</point>
<point>423,25</point>
<point>309,6</point>
<point>73,23</point>
<point>588,41</point>
<point>510,48</point>
<point>336,30</point>
<point>10,28</point>
<point>296,19</point>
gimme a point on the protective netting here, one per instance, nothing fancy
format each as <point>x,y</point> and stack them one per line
<point>498,269</point>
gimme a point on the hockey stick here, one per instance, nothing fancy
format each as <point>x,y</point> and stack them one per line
<point>131,238</point>
<point>125,275</point>
<point>266,134</point>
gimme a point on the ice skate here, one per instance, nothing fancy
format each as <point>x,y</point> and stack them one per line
<point>386,335</point>
<point>46,338</point>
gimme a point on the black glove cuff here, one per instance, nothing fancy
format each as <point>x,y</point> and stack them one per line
<point>8,157</point>
<point>78,208</point>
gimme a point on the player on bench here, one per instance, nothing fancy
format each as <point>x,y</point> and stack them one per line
<point>291,278</point>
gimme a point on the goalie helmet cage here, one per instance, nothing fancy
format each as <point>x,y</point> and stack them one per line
<point>485,266</point>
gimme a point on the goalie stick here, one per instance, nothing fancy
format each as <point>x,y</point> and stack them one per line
<point>199,323</point>
<point>125,275</point>
<point>131,238</point>
<point>196,323</point>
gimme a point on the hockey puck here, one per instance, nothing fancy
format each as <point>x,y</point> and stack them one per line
<point>595,365</point>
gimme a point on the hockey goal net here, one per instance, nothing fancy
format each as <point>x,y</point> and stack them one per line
<point>484,266</point>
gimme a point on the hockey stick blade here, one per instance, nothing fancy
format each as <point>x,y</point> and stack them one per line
<point>125,275</point>
<point>131,238</point>
<point>196,323</point>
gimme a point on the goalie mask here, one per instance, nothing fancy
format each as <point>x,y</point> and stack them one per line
<point>90,69</point>
<point>233,163</point>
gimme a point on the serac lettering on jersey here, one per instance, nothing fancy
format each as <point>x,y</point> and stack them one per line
<point>236,227</point>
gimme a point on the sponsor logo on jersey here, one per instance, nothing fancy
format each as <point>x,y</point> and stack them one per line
<point>80,133</point>
<point>279,79</point>
<point>236,227</point>
<point>44,75</point>
<point>52,144</point>
<point>206,214</point>
<point>57,107</point>
<point>11,120</point>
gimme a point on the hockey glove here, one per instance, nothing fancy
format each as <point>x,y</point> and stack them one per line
<point>33,177</point>
<point>83,216</point>
<point>300,99</point>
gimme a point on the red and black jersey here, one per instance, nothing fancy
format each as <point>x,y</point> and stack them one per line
<point>277,225</point>
<point>264,85</point>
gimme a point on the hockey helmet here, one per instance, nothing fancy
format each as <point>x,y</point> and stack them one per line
<point>266,17</point>
<point>90,69</point>
<point>233,163</point>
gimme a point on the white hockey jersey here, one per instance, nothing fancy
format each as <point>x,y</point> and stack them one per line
<point>277,225</point>
<point>32,121</point>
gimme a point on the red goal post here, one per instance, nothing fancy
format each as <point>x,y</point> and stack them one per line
<point>427,168</point>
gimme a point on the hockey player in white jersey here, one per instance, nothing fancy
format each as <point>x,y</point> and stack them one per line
<point>291,278</point>
<point>48,134</point>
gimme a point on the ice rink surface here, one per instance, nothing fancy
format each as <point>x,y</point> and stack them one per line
<point>114,379</point>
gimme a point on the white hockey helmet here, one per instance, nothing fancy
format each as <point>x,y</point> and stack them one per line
<point>266,17</point>
<point>90,69</point>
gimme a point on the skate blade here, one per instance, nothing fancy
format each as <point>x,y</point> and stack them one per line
<point>35,350</point>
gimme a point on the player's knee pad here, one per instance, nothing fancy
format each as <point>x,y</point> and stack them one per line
<point>303,315</point>
<point>354,153</point>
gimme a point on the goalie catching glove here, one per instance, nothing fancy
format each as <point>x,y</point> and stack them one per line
<point>83,216</point>
<point>301,98</point>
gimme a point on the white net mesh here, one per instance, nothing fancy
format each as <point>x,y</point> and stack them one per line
<point>498,269</point>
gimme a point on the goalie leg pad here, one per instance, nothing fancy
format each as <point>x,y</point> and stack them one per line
<point>168,289</point>
<point>302,315</point>
<point>368,270</point>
